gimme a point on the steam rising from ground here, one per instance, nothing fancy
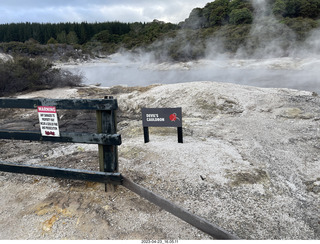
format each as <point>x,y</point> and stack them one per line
<point>274,62</point>
<point>272,37</point>
<point>296,73</point>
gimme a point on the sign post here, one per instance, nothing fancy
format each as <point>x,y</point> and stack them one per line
<point>48,120</point>
<point>162,117</point>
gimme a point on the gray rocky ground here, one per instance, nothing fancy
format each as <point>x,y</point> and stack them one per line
<point>249,163</point>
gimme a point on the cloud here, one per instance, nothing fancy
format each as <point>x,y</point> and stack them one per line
<point>96,10</point>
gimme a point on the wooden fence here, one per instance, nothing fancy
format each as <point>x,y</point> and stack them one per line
<point>106,138</point>
<point>108,141</point>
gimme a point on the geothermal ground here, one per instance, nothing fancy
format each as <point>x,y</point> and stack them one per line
<point>249,163</point>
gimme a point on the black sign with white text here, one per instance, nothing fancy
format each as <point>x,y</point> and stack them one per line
<point>162,117</point>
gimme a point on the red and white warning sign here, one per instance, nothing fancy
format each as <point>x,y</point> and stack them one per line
<point>48,121</point>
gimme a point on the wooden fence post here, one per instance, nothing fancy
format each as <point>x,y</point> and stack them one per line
<point>180,135</point>
<point>146,134</point>
<point>108,155</point>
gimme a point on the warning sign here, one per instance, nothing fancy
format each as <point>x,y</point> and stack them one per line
<point>48,121</point>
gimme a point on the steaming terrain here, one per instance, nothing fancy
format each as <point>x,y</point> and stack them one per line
<point>125,69</point>
<point>249,163</point>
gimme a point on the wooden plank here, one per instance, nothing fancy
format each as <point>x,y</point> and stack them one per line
<point>73,174</point>
<point>68,137</point>
<point>196,221</point>
<point>74,104</point>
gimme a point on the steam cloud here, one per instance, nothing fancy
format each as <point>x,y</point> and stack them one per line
<point>266,65</point>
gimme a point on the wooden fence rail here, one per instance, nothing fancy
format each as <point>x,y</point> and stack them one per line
<point>106,138</point>
<point>72,104</point>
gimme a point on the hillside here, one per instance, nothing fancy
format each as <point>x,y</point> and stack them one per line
<point>222,26</point>
<point>249,163</point>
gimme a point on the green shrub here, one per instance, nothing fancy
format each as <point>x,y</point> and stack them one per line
<point>241,16</point>
<point>301,26</point>
<point>25,74</point>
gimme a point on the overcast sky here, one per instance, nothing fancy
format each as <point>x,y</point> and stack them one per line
<point>53,11</point>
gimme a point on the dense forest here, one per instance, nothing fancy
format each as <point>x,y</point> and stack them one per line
<point>229,21</point>
<point>40,39</point>
<point>71,33</point>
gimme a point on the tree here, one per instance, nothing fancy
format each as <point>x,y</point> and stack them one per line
<point>216,13</point>
<point>62,37</point>
<point>83,37</point>
<point>72,38</point>
<point>310,8</point>
<point>219,16</point>
<point>103,36</point>
<point>292,8</point>
<point>297,8</point>
<point>52,41</point>
<point>279,8</point>
<point>238,4</point>
<point>241,16</point>
<point>195,20</point>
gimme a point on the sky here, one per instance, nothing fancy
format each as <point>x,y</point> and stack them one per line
<point>55,11</point>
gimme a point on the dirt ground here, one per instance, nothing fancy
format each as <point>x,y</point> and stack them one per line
<point>249,163</point>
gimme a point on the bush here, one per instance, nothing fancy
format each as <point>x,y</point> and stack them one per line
<point>301,26</point>
<point>241,16</point>
<point>25,74</point>
<point>297,8</point>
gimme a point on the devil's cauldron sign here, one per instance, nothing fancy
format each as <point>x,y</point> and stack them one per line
<point>162,117</point>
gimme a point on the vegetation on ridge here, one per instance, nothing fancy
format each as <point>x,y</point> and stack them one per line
<point>228,21</point>
<point>222,26</point>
